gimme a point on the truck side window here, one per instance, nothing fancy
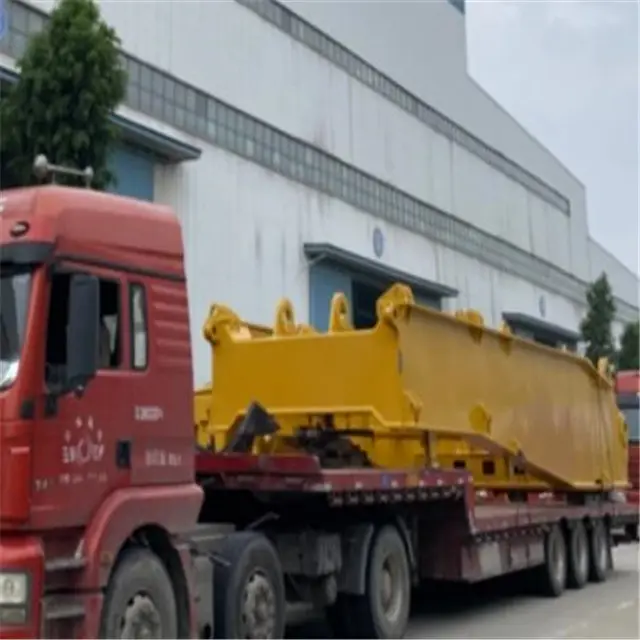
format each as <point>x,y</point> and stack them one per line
<point>139,330</point>
<point>56,354</point>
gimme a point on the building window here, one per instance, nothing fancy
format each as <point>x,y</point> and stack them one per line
<point>139,329</point>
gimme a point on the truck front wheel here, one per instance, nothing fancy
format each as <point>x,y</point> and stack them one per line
<point>383,611</point>
<point>140,601</point>
<point>249,591</point>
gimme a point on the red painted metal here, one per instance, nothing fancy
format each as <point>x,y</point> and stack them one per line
<point>345,487</point>
<point>278,473</point>
<point>628,382</point>
<point>517,516</point>
<point>628,390</point>
<point>235,463</point>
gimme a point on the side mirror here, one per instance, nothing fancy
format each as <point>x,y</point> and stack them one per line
<point>82,330</point>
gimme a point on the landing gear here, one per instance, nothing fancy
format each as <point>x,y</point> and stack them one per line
<point>632,532</point>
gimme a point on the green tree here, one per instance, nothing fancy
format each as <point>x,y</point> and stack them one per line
<point>629,355</point>
<point>71,80</point>
<point>596,325</point>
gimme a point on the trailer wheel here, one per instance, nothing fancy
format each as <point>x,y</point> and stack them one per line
<point>578,569</point>
<point>599,552</point>
<point>552,575</point>
<point>140,601</point>
<point>383,611</point>
<point>249,592</point>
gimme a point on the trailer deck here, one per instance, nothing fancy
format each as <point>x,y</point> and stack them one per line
<point>303,475</point>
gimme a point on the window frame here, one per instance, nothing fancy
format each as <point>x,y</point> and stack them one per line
<point>68,269</point>
<point>135,286</point>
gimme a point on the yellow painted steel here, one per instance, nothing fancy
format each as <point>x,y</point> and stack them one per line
<point>430,388</point>
<point>202,396</point>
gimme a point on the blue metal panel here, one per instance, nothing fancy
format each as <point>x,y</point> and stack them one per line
<point>3,19</point>
<point>133,171</point>
<point>428,301</point>
<point>324,281</point>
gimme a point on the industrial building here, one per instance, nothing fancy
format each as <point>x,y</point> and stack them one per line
<point>304,157</point>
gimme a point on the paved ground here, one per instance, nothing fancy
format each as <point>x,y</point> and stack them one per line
<point>496,610</point>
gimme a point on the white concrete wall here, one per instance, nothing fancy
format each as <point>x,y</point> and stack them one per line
<point>247,251</point>
<point>425,43</point>
<point>229,51</point>
<point>245,226</point>
<point>447,86</point>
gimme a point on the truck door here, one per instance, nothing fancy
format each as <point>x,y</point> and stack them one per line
<point>75,452</point>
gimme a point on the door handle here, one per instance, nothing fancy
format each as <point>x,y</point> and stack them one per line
<point>123,454</point>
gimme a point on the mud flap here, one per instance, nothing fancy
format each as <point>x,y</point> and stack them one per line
<point>356,542</point>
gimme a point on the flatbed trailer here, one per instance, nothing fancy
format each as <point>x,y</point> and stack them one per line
<point>325,524</point>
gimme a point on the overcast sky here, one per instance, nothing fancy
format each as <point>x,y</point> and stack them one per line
<point>568,71</point>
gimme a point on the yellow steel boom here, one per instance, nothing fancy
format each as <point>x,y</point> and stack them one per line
<point>420,388</point>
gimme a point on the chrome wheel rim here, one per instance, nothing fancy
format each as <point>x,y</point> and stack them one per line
<point>141,619</point>
<point>390,591</point>
<point>258,611</point>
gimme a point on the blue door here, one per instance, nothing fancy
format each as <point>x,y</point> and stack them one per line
<point>324,281</point>
<point>428,301</point>
<point>133,171</point>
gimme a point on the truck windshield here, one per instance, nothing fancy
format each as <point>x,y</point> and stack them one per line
<point>15,286</point>
<point>632,418</point>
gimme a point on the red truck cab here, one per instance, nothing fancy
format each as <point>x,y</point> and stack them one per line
<point>628,393</point>
<point>81,268</point>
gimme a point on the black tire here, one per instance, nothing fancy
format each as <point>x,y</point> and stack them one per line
<point>249,571</point>
<point>578,556</point>
<point>551,577</point>
<point>599,552</point>
<point>370,615</point>
<point>139,594</point>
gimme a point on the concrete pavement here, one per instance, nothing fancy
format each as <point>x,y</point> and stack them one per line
<point>500,610</point>
<point>608,610</point>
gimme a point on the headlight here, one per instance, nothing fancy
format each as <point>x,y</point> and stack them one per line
<point>13,588</point>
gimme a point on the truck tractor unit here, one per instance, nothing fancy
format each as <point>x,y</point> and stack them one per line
<point>336,469</point>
